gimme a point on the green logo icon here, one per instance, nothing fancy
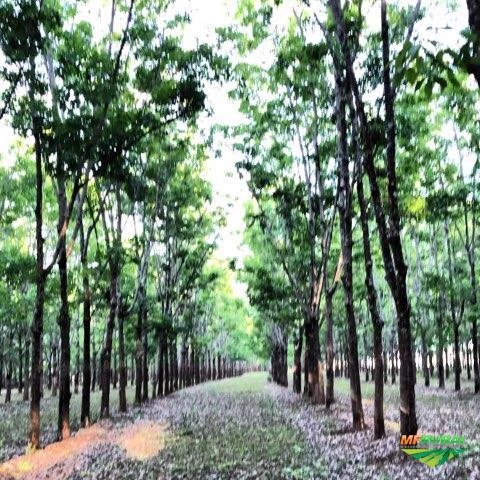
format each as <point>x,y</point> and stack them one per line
<point>433,457</point>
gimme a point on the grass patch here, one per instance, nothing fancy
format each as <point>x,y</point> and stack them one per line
<point>258,444</point>
<point>252,382</point>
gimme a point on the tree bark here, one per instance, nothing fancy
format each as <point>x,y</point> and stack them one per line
<point>64,317</point>
<point>408,417</point>
<point>426,373</point>
<point>297,362</point>
<point>20,362</point>
<point>312,387</point>
<point>37,322</point>
<point>85,419</point>
<point>145,377</point>
<point>122,387</point>
<point>329,393</point>
<point>138,347</point>
<point>106,354</point>
<point>160,368</point>
<point>26,386</point>
<point>379,423</point>
<point>345,214</point>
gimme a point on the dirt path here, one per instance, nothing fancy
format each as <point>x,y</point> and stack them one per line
<point>140,441</point>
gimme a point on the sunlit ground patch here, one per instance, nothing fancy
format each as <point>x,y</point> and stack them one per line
<point>31,464</point>
<point>144,441</point>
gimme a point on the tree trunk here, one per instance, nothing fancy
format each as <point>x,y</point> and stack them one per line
<point>426,373</point>
<point>379,423</point>
<point>8,393</point>
<point>106,354</point>
<point>469,373</point>
<point>138,347</point>
<point>166,365</point>
<point>85,419</point>
<point>297,362</point>
<point>114,377</point>
<point>94,368</point>
<point>209,365</point>
<point>37,322</point>
<point>345,213</point>
<point>329,394</point>
<point>385,366</point>
<point>219,368</point>
<point>77,360</point>
<point>26,387</point>
<point>54,370</point>
<point>312,387</point>
<point>390,241</point>
<point>175,364</point>
<point>122,387</point>
<point>160,366</point>
<point>457,364</point>
<point>197,368</point>
<point>145,377</point>
<point>408,417</point>
<point>64,317</point>
<point>20,362</point>
<point>173,359</point>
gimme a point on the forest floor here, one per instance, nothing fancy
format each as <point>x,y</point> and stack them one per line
<point>241,428</point>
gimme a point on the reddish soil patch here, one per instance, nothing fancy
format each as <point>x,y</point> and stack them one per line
<point>140,441</point>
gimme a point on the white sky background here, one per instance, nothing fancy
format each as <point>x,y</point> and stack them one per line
<point>230,192</point>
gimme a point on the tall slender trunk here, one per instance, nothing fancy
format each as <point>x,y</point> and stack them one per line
<point>297,367</point>
<point>426,372</point>
<point>122,394</point>
<point>26,386</point>
<point>329,394</point>
<point>379,423</point>
<point>183,362</point>
<point>469,370</point>
<point>94,366</point>
<point>87,372</point>
<point>473,295</point>
<point>166,352</point>
<point>408,417</point>
<point>77,360</point>
<point>345,214</point>
<point>197,368</point>
<point>8,393</point>
<point>37,322</point>
<point>447,364</point>
<point>85,419</point>
<point>161,347</point>
<point>64,317</point>
<point>173,360</point>
<point>440,364</point>
<point>385,366</point>
<point>175,363</point>
<point>455,321</point>
<point>20,362</point>
<point>145,377</point>
<point>138,347</point>
<point>106,354</point>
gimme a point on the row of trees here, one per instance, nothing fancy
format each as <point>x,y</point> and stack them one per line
<point>105,180</point>
<point>360,149</point>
